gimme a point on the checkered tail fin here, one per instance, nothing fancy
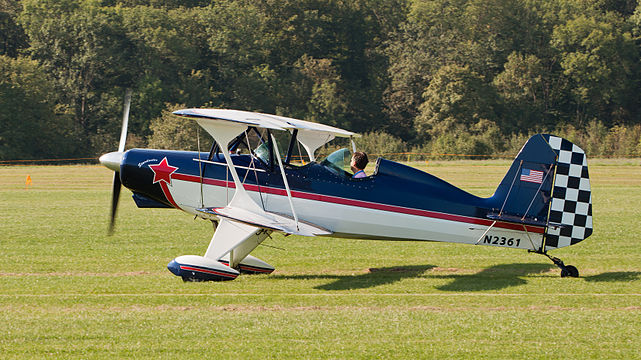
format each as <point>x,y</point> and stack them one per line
<point>570,214</point>
<point>524,195</point>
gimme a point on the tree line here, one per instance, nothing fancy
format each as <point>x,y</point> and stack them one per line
<point>466,76</point>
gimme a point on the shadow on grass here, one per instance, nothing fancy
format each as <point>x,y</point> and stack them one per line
<point>615,276</point>
<point>493,278</point>
<point>375,277</point>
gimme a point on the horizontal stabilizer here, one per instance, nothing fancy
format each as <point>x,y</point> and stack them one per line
<point>266,220</point>
<point>517,219</point>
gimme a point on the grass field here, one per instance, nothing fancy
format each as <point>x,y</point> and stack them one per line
<point>69,291</point>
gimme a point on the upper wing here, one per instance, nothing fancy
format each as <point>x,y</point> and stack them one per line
<point>263,120</point>
<point>310,135</point>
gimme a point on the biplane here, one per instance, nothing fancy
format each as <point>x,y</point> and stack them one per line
<point>250,186</point>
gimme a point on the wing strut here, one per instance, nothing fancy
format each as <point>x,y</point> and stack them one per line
<point>200,167</point>
<point>485,233</point>
<point>536,193</point>
<point>511,186</point>
<point>252,165</point>
<point>529,238</point>
<point>282,172</point>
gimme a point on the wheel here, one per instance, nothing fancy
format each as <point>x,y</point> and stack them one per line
<point>570,271</point>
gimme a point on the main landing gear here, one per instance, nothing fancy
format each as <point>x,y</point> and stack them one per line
<point>566,270</point>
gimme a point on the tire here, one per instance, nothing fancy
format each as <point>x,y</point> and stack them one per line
<point>570,271</point>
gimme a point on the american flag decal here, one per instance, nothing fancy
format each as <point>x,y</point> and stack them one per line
<point>532,176</point>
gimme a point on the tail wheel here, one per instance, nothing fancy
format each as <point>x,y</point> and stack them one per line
<point>566,270</point>
<point>569,271</point>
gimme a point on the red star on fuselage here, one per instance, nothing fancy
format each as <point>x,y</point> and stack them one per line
<point>162,171</point>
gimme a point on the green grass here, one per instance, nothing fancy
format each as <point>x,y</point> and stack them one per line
<point>69,291</point>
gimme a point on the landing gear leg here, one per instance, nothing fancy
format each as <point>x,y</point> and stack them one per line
<point>566,270</point>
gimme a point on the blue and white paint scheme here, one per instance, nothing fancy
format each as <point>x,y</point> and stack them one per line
<point>543,202</point>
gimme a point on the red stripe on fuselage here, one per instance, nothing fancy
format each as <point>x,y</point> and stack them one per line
<point>359,203</point>
<point>255,269</point>
<point>189,268</point>
<point>249,268</point>
<point>165,190</point>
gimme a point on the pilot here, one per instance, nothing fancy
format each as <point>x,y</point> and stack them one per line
<point>358,164</point>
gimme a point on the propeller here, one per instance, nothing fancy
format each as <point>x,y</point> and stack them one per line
<point>112,161</point>
<point>115,195</point>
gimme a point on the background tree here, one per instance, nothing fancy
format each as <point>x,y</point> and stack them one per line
<point>12,36</point>
<point>84,47</point>
<point>521,87</point>
<point>29,125</point>
<point>472,75</point>
<point>171,132</point>
<point>601,61</point>
<point>456,99</point>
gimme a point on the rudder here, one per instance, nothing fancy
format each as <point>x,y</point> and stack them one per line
<point>571,204</point>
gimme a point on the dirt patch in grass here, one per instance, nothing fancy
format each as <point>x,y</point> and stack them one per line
<point>81,274</point>
<point>447,269</point>
<point>388,269</point>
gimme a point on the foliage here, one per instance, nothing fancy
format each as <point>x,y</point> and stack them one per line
<point>483,138</point>
<point>437,71</point>
<point>379,143</point>
<point>456,99</point>
<point>171,132</point>
<point>600,59</point>
<point>598,140</point>
<point>30,127</point>
<point>522,90</point>
<point>12,36</point>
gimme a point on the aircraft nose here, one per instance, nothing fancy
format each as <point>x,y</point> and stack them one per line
<point>112,160</point>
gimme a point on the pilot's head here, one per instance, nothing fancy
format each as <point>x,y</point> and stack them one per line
<point>359,160</point>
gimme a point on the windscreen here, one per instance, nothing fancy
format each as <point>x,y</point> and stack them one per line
<point>339,161</point>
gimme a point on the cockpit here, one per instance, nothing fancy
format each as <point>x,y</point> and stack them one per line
<point>260,146</point>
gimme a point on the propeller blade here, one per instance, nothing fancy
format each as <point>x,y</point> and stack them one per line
<point>125,121</point>
<point>113,160</point>
<point>115,196</point>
